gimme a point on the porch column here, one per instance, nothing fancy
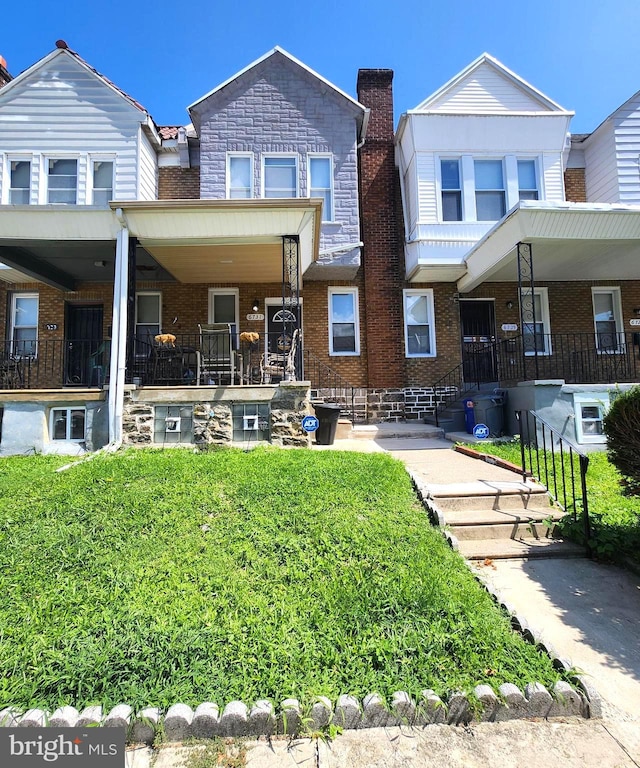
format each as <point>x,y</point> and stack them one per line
<point>131,307</point>
<point>291,290</point>
<point>118,334</point>
<point>526,296</point>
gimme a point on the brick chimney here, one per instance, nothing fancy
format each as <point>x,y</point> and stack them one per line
<point>5,77</point>
<point>381,222</point>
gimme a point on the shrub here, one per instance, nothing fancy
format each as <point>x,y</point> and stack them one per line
<point>622,428</point>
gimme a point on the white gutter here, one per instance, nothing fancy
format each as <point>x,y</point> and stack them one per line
<point>344,248</point>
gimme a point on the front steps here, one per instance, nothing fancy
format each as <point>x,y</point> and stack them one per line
<point>388,430</point>
<point>501,520</point>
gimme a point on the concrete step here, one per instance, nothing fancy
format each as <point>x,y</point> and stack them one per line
<point>520,530</point>
<point>481,495</point>
<point>393,430</point>
<point>503,524</point>
<point>518,549</point>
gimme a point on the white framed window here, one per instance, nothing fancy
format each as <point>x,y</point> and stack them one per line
<point>607,318</point>
<point>589,411</point>
<point>280,176</point>
<point>102,181</point>
<point>239,175</point>
<point>62,180</point>
<point>320,182</point>
<point>148,320</point>
<point>68,424</point>
<point>344,324</point>
<point>451,189</point>
<point>490,190</point>
<point>24,324</point>
<point>536,335</point>
<point>419,323</point>
<point>19,181</point>
<point>224,306</point>
<point>527,180</point>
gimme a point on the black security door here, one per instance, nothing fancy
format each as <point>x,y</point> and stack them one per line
<point>84,365</point>
<point>478,325</point>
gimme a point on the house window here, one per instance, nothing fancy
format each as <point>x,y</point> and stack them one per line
<point>321,183</point>
<point>223,307</point>
<point>20,182</point>
<point>68,424</point>
<point>527,183</point>
<point>63,181</point>
<point>419,328</point>
<point>607,317</point>
<point>24,324</point>
<point>344,333</point>
<point>451,190</point>
<point>280,176</point>
<point>589,411</point>
<point>148,321</point>
<point>239,176</point>
<point>536,328</point>
<point>102,182</point>
<point>490,194</point>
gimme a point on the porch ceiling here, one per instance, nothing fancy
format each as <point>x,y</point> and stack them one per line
<point>570,242</point>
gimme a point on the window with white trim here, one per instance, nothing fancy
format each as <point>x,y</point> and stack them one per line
<point>419,324</point>
<point>62,181</point>
<point>280,176</point>
<point>490,190</point>
<point>536,334</point>
<point>239,175</point>
<point>68,424</point>
<point>590,410</point>
<point>148,320</point>
<point>24,324</point>
<point>607,318</point>
<point>344,326</point>
<point>102,182</point>
<point>223,307</point>
<point>451,190</point>
<point>527,180</point>
<point>320,184</point>
<point>19,182</point>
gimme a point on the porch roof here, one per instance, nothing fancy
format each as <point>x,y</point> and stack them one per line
<point>570,241</point>
<point>224,241</point>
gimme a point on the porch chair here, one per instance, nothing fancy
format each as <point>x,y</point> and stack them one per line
<point>280,365</point>
<point>217,364</point>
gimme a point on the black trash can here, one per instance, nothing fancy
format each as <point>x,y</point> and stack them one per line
<point>328,415</point>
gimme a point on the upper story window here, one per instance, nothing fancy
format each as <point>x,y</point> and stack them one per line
<point>451,190</point>
<point>239,176</point>
<point>20,182</point>
<point>344,332</point>
<point>62,181</point>
<point>490,193</point>
<point>321,182</point>
<point>280,176</point>
<point>102,172</point>
<point>24,324</point>
<point>527,180</point>
<point>419,327</point>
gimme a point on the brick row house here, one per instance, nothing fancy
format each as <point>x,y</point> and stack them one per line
<point>201,283</point>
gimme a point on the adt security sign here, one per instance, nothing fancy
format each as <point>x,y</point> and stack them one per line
<point>481,431</point>
<point>310,423</point>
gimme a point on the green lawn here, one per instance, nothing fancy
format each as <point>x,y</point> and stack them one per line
<point>614,517</point>
<point>151,577</point>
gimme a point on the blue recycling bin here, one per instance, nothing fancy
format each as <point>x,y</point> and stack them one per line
<point>469,416</point>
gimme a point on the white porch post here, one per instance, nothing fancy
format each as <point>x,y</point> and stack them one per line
<point>118,334</point>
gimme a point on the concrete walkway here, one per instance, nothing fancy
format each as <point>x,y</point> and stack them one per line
<point>589,612</point>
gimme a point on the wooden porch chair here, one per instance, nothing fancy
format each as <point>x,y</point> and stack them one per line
<point>217,364</point>
<point>280,365</point>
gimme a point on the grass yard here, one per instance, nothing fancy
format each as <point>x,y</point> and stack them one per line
<point>151,577</point>
<point>614,517</point>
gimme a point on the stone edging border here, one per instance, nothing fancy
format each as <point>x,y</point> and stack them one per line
<point>503,463</point>
<point>592,703</point>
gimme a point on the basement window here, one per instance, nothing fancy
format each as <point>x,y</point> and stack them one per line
<point>590,410</point>
<point>68,424</point>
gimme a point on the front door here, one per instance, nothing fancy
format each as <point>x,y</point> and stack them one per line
<point>280,327</point>
<point>84,358</point>
<point>478,326</point>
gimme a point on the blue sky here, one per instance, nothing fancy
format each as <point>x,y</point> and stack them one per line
<point>168,54</point>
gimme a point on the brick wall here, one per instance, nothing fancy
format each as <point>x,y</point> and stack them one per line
<point>575,185</point>
<point>178,183</point>
<point>382,246</point>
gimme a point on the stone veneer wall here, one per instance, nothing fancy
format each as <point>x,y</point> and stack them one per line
<point>376,405</point>
<point>212,412</point>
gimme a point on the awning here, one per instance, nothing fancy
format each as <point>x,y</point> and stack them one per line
<point>570,241</point>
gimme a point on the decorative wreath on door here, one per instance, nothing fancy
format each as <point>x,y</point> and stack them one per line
<point>284,343</point>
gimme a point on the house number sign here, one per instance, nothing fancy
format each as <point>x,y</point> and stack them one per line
<point>634,321</point>
<point>509,327</point>
<point>51,326</point>
<point>255,316</point>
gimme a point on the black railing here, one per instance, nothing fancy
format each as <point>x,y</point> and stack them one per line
<point>558,464</point>
<point>330,387</point>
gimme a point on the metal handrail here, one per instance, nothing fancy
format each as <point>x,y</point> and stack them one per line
<point>322,376</point>
<point>554,465</point>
